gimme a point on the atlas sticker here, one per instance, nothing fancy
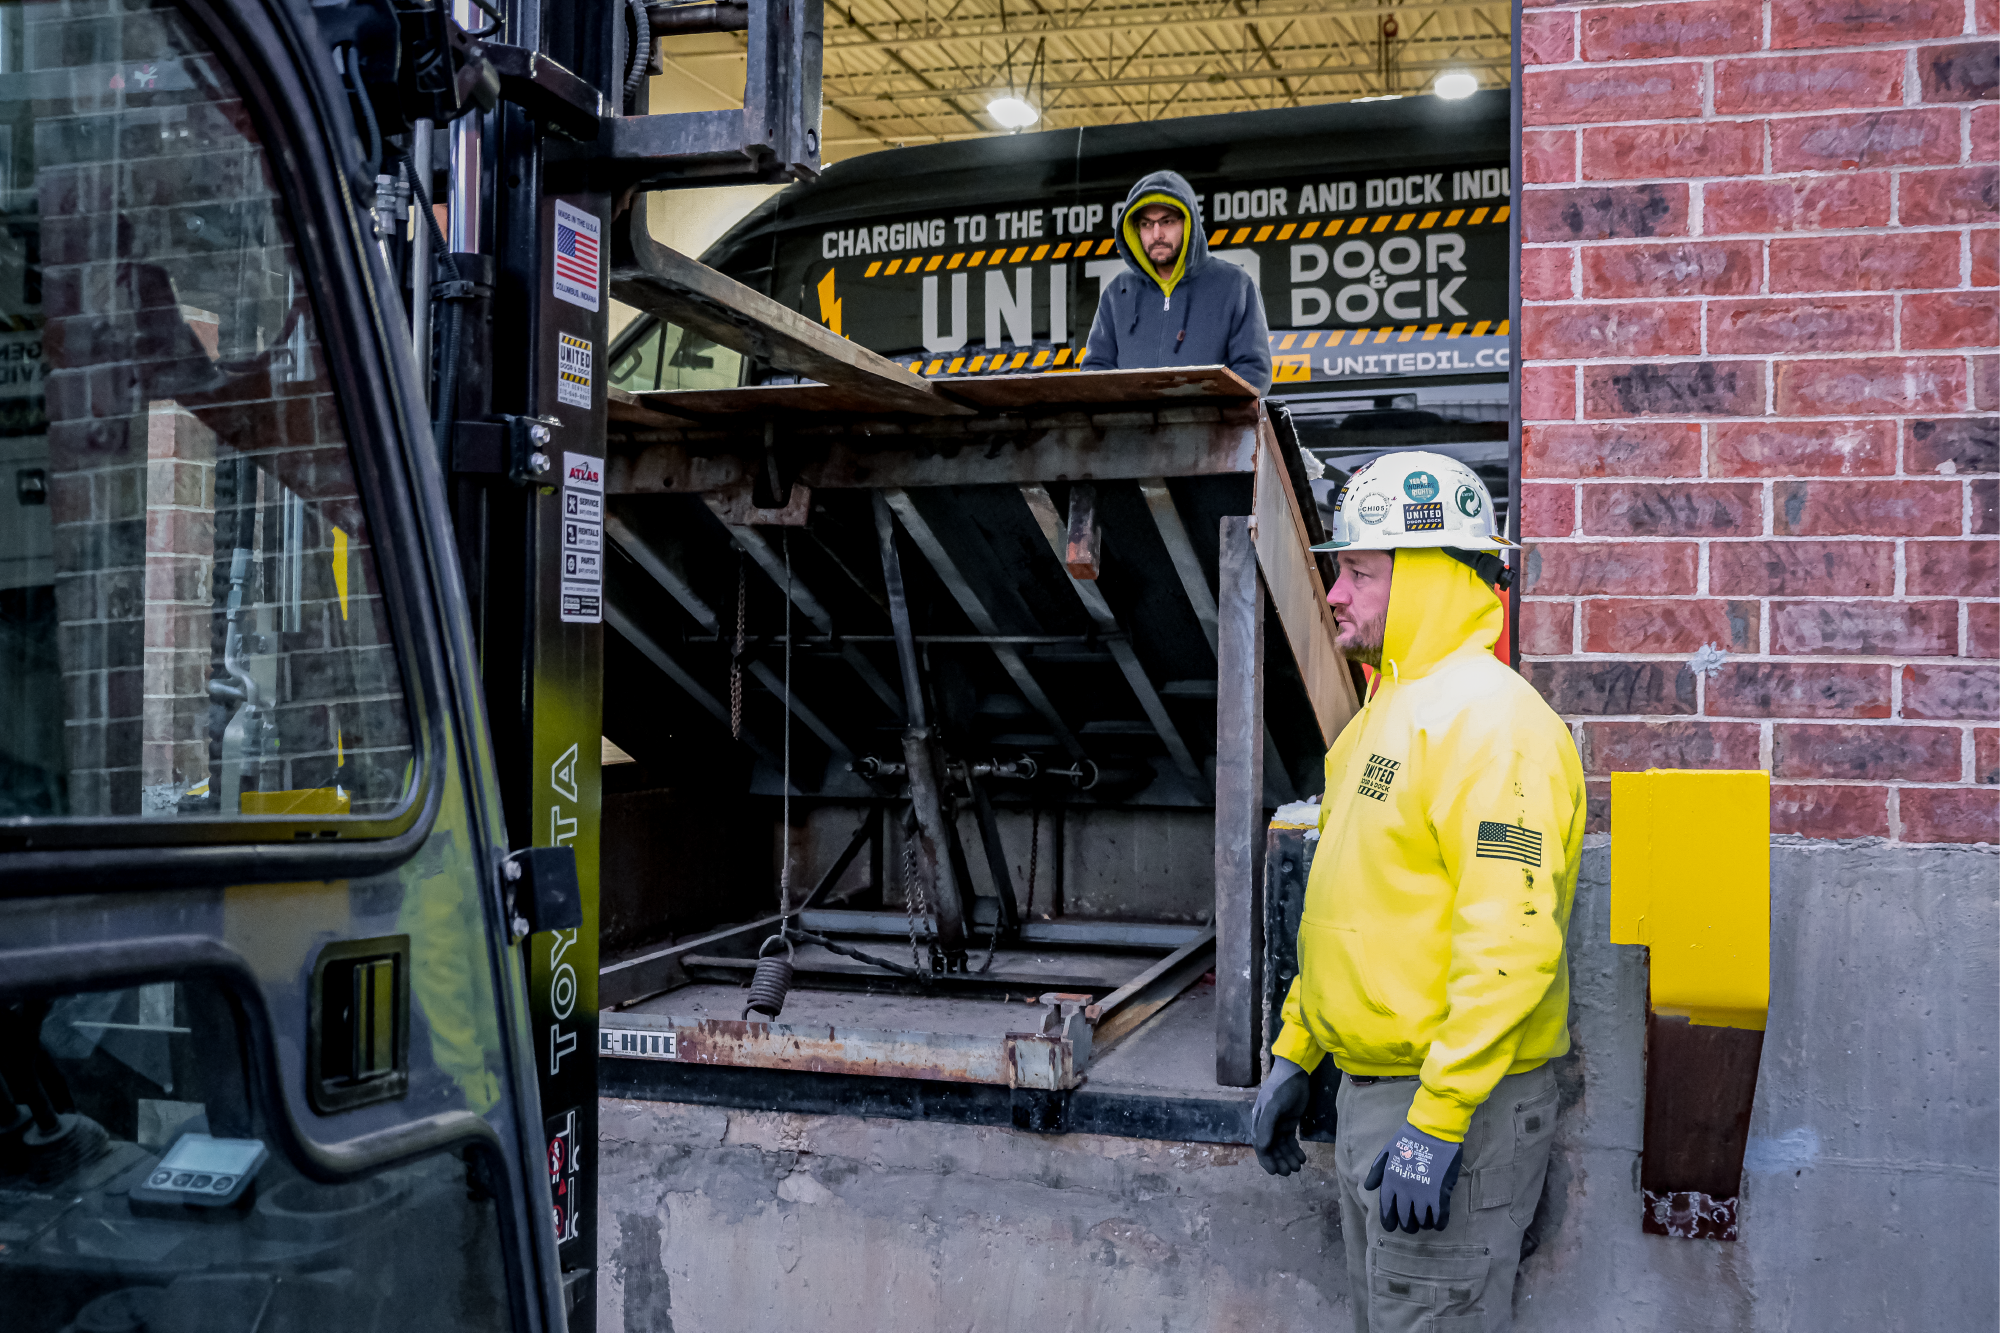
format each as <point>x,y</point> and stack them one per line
<point>1424,518</point>
<point>582,540</point>
<point>1469,500</point>
<point>1373,508</point>
<point>573,367</point>
<point>577,268</point>
<point>1420,486</point>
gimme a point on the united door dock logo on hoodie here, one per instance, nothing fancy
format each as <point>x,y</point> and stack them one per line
<point>1376,779</point>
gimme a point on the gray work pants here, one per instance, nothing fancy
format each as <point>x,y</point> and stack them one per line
<point>1461,1279</point>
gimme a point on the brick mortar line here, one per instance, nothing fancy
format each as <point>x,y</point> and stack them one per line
<point>1771,659</point>
<point>1773,117</point>
<point>1963,230</point>
<point>1745,479</point>
<point>1766,119</point>
<point>1773,358</point>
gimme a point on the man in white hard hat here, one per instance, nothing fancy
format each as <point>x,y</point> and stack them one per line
<point>1431,958</point>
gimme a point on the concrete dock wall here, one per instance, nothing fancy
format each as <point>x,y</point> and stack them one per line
<point>1871,1195</point>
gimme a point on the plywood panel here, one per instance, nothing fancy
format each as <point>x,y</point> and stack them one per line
<point>1298,592</point>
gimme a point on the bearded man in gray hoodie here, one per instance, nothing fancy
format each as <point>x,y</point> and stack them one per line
<point>1175,304</point>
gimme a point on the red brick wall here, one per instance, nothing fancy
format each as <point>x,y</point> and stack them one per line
<point>1759,328</point>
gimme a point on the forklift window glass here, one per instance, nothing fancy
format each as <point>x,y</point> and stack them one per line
<point>191,622</point>
<point>140,1188</point>
<point>667,356</point>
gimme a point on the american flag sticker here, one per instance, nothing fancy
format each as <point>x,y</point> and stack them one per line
<point>1509,842</point>
<point>578,266</point>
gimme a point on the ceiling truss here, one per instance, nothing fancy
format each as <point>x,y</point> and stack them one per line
<point>915,71</point>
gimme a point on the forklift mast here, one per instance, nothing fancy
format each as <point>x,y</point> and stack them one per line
<point>302,390</point>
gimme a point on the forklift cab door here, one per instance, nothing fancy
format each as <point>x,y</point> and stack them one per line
<point>263,1048</point>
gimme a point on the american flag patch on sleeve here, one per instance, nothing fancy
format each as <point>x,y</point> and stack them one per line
<point>1509,842</point>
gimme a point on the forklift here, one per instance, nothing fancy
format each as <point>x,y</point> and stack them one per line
<point>303,317</point>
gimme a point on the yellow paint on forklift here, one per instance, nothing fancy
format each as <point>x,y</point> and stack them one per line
<point>1691,880</point>
<point>306,801</point>
<point>340,568</point>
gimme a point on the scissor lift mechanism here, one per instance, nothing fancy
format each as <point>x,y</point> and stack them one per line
<point>1098,556</point>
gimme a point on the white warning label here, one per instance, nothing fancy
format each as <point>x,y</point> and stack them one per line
<point>577,265</point>
<point>582,539</point>
<point>639,1044</point>
<point>573,367</point>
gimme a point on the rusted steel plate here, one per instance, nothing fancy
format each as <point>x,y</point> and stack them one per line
<point>1178,442</point>
<point>1023,1059</point>
<point>1135,387</point>
<point>628,980</point>
<point>624,407</point>
<point>1699,1085</point>
<point>772,400</point>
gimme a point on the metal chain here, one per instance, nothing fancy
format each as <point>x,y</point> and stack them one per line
<point>913,892</point>
<point>736,657</point>
<point>1034,859</point>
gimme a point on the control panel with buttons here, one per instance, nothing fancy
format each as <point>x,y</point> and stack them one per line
<point>203,1171</point>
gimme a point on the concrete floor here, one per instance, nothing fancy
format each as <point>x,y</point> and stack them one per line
<point>1869,1199</point>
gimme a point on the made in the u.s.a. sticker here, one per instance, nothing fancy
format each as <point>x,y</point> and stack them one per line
<point>578,268</point>
<point>573,371</point>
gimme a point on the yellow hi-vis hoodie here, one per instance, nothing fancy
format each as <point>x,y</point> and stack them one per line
<point>1432,937</point>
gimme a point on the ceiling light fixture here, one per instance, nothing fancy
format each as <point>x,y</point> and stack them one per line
<point>1012,113</point>
<point>1379,97</point>
<point>1455,85</point>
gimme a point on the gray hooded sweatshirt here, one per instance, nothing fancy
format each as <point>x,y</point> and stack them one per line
<point>1204,313</point>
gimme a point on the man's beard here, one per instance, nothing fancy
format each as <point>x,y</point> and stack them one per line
<point>1162,261</point>
<point>1366,645</point>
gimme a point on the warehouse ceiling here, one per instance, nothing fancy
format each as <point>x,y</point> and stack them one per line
<point>919,71</point>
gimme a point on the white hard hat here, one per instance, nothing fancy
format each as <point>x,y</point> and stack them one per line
<point>1414,499</point>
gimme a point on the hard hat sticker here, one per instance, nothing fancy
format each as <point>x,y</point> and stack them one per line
<point>1421,486</point>
<point>1424,518</point>
<point>1469,500</point>
<point>1373,508</point>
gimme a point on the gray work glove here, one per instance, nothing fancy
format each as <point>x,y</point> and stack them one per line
<point>1274,1119</point>
<point>1416,1173</point>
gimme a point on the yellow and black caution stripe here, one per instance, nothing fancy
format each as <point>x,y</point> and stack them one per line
<point>1032,254</point>
<point>1270,231</point>
<point>1057,358</point>
<point>1369,223</point>
<point>1402,333</point>
<point>1291,350</point>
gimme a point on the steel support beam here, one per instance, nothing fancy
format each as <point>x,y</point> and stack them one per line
<point>975,611</point>
<point>922,764</point>
<point>1239,805</point>
<point>615,616</point>
<point>666,571</point>
<point>1108,445</point>
<point>1043,506</point>
<point>758,548</point>
<point>1180,550</point>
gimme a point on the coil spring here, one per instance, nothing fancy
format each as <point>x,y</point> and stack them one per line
<point>772,980</point>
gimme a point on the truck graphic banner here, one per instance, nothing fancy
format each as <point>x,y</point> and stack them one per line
<point>1363,276</point>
